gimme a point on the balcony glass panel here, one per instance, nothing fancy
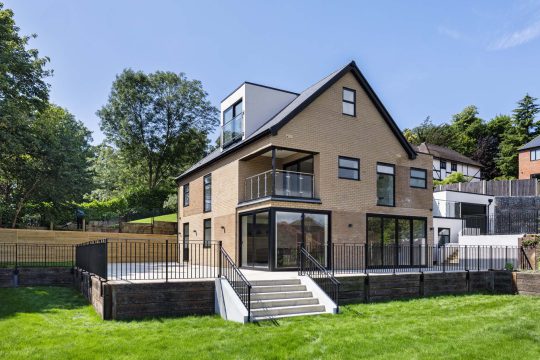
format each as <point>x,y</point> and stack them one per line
<point>232,130</point>
<point>288,183</point>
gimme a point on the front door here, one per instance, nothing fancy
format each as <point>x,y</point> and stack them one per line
<point>255,238</point>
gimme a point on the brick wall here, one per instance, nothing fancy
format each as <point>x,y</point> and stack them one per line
<point>526,166</point>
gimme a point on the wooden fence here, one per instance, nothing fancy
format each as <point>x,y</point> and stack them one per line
<point>526,187</point>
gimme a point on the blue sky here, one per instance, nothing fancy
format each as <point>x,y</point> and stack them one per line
<point>422,58</point>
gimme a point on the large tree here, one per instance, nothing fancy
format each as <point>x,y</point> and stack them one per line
<point>467,128</point>
<point>429,133</point>
<point>160,121</point>
<point>523,129</point>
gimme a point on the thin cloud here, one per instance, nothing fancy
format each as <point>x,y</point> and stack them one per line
<point>517,38</point>
<point>451,33</point>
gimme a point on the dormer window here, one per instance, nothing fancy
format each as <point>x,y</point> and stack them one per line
<point>349,102</point>
<point>232,130</point>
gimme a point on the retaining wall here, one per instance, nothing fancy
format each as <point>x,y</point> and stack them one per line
<point>527,283</point>
<point>39,276</point>
<point>386,287</point>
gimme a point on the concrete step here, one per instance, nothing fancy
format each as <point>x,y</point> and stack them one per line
<point>262,304</point>
<point>288,310</point>
<point>275,282</point>
<point>277,288</point>
<point>263,318</point>
<point>281,295</point>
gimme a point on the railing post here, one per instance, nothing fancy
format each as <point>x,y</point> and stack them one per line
<point>466,260</point>
<point>444,258</point>
<point>220,243</point>
<point>166,260</point>
<point>332,258</point>
<point>395,258</point>
<point>366,257</point>
<point>45,257</point>
<point>300,262</point>
<point>273,171</point>
<point>505,256</point>
<point>491,257</point>
<point>478,258</point>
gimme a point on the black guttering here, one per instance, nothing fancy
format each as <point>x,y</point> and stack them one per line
<point>259,85</point>
<point>275,128</point>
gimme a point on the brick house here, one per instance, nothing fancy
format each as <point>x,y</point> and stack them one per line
<point>328,165</point>
<point>529,160</point>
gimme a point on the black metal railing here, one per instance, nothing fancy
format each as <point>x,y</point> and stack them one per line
<point>162,260</point>
<point>358,258</point>
<point>309,266</point>
<point>239,283</point>
<point>502,223</point>
<point>13,255</point>
<point>92,257</point>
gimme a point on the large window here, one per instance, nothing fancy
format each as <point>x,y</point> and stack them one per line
<point>418,178</point>
<point>232,124</point>
<point>186,195</point>
<point>396,241</point>
<point>385,184</point>
<point>348,168</point>
<point>349,102</point>
<point>535,155</point>
<point>207,235</point>
<point>185,241</point>
<point>207,193</point>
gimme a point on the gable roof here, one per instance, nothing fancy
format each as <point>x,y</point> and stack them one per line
<point>534,143</point>
<point>445,153</point>
<point>299,103</point>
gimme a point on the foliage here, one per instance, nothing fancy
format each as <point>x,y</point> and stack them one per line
<point>166,218</point>
<point>509,266</point>
<point>57,323</point>
<point>430,133</point>
<point>159,122</point>
<point>531,241</point>
<point>453,178</point>
<point>467,129</point>
<point>172,202</point>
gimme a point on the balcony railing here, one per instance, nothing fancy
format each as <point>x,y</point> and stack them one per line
<point>447,209</point>
<point>287,184</point>
<point>232,130</point>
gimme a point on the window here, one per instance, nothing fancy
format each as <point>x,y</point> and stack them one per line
<point>185,241</point>
<point>385,184</point>
<point>453,166</point>
<point>443,165</point>
<point>207,193</point>
<point>418,178</point>
<point>349,168</point>
<point>349,102</point>
<point>186,195</point>
<point>444,236</point>
<point>535,155</point>
<point>207,235</point>
<point>232,124</point>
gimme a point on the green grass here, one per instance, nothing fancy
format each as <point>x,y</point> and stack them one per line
<point>56,323</point>
<point>167,218</point>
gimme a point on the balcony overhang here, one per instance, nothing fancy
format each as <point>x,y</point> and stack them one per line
<point>280,152</point>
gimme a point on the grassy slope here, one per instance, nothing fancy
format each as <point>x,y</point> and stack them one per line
<point>167,218</point>
<point>54,323</point>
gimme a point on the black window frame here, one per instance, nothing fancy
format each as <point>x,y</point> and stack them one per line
<point>453,166</point>
<point>393,183</point>
<point>348,168</point>
<point>185,241</point>
<point>418,178</point>
<point>441,162</point>
<point>205,190</point>
<point>347,101</point>
<point>535,152</point>
<point>207,242</point>
<point>439,234</point>
<point>185,195</point>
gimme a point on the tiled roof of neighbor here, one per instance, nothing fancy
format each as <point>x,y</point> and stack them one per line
<point>298,104</point>
<point>445,153</point>
<point>534,143</point>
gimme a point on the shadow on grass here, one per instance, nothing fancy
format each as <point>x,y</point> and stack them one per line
<point>38,300</point>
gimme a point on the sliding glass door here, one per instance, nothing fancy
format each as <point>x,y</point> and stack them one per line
<point>254,234</point>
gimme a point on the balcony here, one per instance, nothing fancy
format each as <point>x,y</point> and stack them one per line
<point>446,209</point>
<point>280,183</point>
<point>232,130</point>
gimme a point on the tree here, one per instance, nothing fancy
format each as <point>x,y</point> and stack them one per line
<point>53,168</point>
<point>159,120</point>
<point>523,129</point>
<point>468,128</point>
<point>429,133</point>
<point>453,178</point>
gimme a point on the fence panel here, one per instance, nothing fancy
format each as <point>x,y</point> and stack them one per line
<point>36,255</point>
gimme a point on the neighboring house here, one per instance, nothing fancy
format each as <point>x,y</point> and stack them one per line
<point>328,165</point>
<point>529,160</point>
<point>447,161</point>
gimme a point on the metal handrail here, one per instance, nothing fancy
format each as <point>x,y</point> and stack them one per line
<point>525,265</point>
<point>241,286</point>
<point>263,185</point>
<point>311,267</point>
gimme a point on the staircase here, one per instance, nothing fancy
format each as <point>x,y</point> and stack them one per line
<point>273,299</point>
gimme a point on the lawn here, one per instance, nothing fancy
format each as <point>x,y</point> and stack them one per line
<point>167,218</point>
<point>56,323</point>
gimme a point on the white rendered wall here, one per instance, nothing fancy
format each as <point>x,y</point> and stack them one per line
<point>454,225</point>
<point>490,240</point>
<point>465,198</point>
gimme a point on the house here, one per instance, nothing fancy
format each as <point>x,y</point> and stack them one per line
<point>325,166</point>
<point>447,161</point>
<point>529,160</point>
